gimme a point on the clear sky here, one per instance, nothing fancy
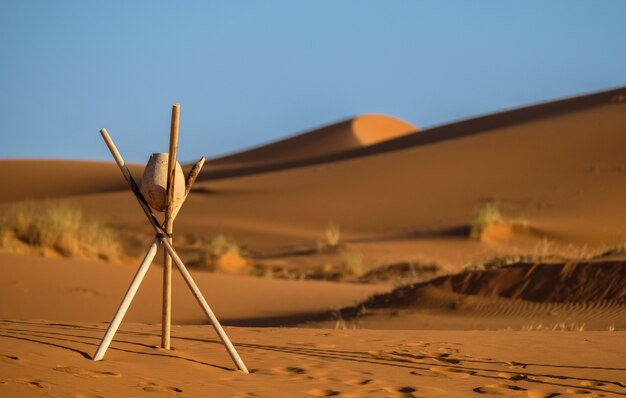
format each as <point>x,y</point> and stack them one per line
<point>248,72</point>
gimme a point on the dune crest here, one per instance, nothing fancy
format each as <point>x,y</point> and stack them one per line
<point>358,132</point>
<point>374,128</point>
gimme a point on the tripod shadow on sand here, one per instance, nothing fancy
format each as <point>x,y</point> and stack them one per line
<point>427,362</point>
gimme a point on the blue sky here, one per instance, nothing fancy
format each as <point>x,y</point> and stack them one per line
<point>248,72</point>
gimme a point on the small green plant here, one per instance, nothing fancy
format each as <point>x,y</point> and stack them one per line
<point>59,226</point>
<point>351,264</point>
<point>485,216</point>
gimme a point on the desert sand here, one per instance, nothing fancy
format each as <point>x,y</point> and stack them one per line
<point>533,306</point>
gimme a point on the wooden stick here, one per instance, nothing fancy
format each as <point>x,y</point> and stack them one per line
<point>191,178</point>
<point>193,174</point>
<point>166,318</point>
<point>160,233</point>
<point>205,306</point>
<point>131,182</point>
<point>128,298</point>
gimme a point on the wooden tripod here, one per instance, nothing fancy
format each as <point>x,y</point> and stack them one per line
<point>163,236</point>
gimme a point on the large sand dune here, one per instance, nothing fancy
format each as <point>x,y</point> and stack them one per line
<point>403,200</point>
<point>31,179</point>
<point>358,132</point>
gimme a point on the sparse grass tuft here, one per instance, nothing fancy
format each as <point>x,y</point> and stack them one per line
<point>222,253</point>
<point>485,216</point>
<point>220,245</point>
<point>332,238</point>
<point>351,264</point>
<point>58,226</point>
<point>340,323</point>
<point>559,326</point>
<point>618,248</point>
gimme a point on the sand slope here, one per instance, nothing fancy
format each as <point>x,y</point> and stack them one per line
<point>556,170</point>
<point>358,132</point>
<point>51,359</point>
<point>33,287</point>
<point>41,179</point>
<point>560,172</point>
<point>590,281</point>
<point>570,296</point>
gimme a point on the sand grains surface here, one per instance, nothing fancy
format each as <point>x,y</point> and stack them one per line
<point>308,362</point>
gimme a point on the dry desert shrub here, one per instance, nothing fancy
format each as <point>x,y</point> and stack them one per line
<point>331,239</point>
<point>59,226</point>
<point>559,326</point>
<point>351,264</point>
<point>221,253</point>
<point>485,216</point>
<point>332,235</point>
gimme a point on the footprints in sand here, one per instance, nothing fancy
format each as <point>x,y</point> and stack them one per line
<point>407,391</point>
<point>358,382</point>
<point>154,387</point>
<point>293,372</point>
<point>35,383</point>
<point>577,391</point>
<point>541,394</point>
<point>591,383</point>
<point>78,372</point>
<point>516,378</point>
<point>512,376</point>
<point>375,389</point>
<point>314,345</point>
<point>9,358</point>
<point>498,389</point>
<point>451,372</point>
<point>85,292</point>
<point>316,392</point>
<point>515,365</point>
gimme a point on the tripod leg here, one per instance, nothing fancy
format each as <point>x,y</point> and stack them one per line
<point>128,298</point>
<point>205,306</point>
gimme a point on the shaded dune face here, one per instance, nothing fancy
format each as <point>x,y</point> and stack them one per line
<point>49,179</point>
<point>357,132</point>
<point>62,178</point>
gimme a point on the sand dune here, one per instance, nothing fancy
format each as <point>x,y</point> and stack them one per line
<point>560,171</point>
<point>557,167</point>
<point>446,132</point>
<point>589,281</point>
<point>42,179</point>
<point>358,132</point>
<point>34,287</point>
<point>589,295</point>
<point>400,198</point>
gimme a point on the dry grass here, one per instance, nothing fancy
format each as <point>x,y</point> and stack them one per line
<point>490,213</point>
<point>559,326</point>
<point>331,240</point>
<point>58,226</point>
<point>351,264</point>
<point>222,254</point>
